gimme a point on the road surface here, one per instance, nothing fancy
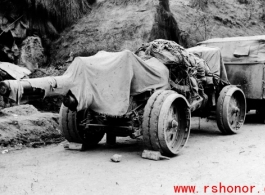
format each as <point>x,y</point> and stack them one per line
<point>231,163</point>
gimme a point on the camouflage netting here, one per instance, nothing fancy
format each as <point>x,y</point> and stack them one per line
<point>186,69</point>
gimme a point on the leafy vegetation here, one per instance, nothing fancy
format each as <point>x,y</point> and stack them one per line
<point>45,15</point>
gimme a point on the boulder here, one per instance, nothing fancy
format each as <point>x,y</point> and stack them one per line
<point>32,53</point>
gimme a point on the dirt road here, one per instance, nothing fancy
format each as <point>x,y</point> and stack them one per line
<point>208,159</point>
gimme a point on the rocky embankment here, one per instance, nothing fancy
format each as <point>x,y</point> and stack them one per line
<point>25,126</point>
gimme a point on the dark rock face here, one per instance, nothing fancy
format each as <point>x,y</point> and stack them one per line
<point>165,4</point>
<point>165,25</point>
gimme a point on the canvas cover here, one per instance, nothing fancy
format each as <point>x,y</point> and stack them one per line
<point>240,49</point>
<point>104,82</point>
<point>14,71</point>
<point>186,69</point>
<point>213,57</point>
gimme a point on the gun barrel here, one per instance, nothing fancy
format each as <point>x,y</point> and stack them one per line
<point>32,93</point>
<point>28,90</point>
<point>4,89</point>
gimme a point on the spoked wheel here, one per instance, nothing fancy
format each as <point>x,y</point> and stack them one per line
<point>72,129</point>
<point>231,109</point>
<point>166,122</point>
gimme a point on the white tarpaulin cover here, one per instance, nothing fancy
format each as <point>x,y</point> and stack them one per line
<point>15,71</point>
<point>213,57</point>
<point>105,81</point>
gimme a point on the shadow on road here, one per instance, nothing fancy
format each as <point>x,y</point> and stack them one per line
<point>123,145</point>
<point>253,118</point>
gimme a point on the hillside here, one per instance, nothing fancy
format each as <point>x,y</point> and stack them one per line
<point>114,25</point>
<point>224,18</point>
<point>73,28</point>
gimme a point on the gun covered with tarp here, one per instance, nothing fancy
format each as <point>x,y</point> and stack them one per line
<point>192,71</point>
<point>149,93</point>
<point>106,81</point>
<point>103,82</point>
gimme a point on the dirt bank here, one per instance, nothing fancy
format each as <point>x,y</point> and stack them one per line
<point>25,126</point>
<point>115,25</point>
<point>225,18</point>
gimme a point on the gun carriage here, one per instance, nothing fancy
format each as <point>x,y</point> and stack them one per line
<point>151,93</point>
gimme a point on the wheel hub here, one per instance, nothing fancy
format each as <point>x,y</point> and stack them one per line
<point>235,110</point>
<point>174,124</point>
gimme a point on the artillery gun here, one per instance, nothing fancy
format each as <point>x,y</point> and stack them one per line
<point>10,71</point>
<point>151,93</point>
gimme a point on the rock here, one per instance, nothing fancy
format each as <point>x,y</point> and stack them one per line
<point>66,144</point>
<point>19,29</point>
<point>72,146</point>
<point>4,151</point>
<point>116,158</point>
<point>153,155</point>
<point>32,53</point>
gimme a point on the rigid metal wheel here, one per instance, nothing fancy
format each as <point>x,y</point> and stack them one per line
<point>230,109</point>
<point>166,122</point>
<point>74,131</point>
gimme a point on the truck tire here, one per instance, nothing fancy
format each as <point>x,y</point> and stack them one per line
<point>73,131</point>
<point>230,109</point>
<point>166,122</point>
